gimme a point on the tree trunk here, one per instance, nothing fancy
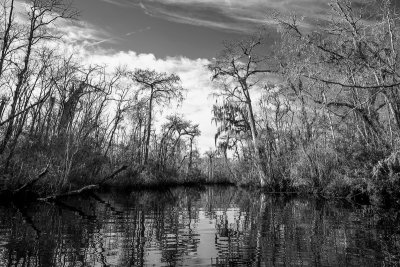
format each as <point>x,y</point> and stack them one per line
<point>2,107</point>
<point>118,118</point>
<point>6,38</point>
<point>148,129</point>
<point>69,108</point>
<point>190,155</point>
<point>21,79</point>
<point>258,150</point>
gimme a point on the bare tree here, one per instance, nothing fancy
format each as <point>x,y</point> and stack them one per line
<point>41,14</point>
<point>239,69</point>
<point>353,64</point>
<point>160,88</point>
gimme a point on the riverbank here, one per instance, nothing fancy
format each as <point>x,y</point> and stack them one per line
<point>34,190</point>
<point>379,185</point>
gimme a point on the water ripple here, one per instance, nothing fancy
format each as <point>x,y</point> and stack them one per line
<point>186,227</point>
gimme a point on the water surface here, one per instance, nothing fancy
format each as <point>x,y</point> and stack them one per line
<point>213,226</point>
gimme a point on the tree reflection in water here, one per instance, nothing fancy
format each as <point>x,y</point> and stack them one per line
<point>218,226</point>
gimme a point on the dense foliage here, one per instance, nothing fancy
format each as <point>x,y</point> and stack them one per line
<point>320,113</point>
<point>331,124</point>
<point>81,121</point>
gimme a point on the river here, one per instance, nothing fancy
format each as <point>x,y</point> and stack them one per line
<point>211,226</point>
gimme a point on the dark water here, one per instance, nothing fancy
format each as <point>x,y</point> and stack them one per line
<point>191,227</point>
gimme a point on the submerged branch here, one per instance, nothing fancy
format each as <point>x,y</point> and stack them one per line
<point>85,189</point>
<point>70,193</point>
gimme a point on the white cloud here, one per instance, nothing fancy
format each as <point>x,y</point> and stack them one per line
<point>194,76</point>
<point>83,41</point>
<point>73,32</point>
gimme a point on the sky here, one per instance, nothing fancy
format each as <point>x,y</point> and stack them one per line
<point>180,36</point>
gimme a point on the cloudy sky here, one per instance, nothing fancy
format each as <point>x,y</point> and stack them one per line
<point>179,36</point>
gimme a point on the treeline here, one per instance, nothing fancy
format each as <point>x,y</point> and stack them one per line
<point>320,112</point>
<point>79,121</point>
<point>331,123</point>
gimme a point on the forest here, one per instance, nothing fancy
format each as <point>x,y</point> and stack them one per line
<point>318,112</point>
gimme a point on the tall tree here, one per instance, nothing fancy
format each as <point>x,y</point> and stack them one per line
<point>354,65</point>
<point>41,14</point>
<point>238,69</point>
<point>160,89</point>
<point>173,130</point>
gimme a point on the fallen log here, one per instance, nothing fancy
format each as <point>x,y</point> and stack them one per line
<point>30,183</point>
<point>70,193</point>
<point>115,173</point>
<point>84,189</point>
